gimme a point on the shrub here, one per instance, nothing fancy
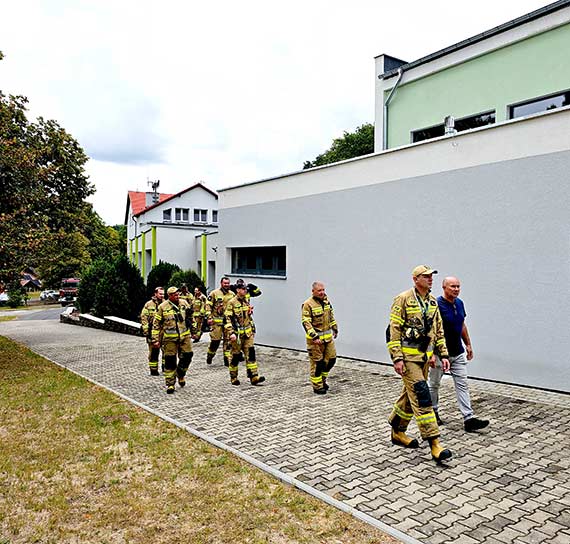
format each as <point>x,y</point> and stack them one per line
<point>189,277</point>
<point>112,288</point>
<point>159,276</point>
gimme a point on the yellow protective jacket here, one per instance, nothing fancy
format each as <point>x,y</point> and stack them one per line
<point>147,315</point>
<point>318,320</point>
<point>188,297</point>
<point>239,318</point>
<point>172,323</point>
<point>216,305</point>
<point>410,316</point>
<point>199,306</point>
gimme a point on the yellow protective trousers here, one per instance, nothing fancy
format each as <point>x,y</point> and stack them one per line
<point>243,350</point>
<point>177,358</point>
<point>322,358</point>
<point>415,401</point>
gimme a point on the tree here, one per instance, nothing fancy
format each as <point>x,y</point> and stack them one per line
<point>189,277</point>
<point>352,144</point>
<point>43,186</point>
<point>160,275</point>
<point>112,288</point>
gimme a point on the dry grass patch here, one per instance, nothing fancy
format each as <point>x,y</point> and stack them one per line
<point>80,465</point>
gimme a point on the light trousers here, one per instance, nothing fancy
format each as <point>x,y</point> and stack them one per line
<point>458,371</point>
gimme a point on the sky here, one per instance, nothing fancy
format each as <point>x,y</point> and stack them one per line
<point>221,92</point>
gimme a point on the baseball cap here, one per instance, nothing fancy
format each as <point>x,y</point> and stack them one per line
<point>422,269</point>
<point>172,290</point>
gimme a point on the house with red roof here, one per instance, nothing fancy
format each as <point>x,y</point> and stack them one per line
<point>177,228</point>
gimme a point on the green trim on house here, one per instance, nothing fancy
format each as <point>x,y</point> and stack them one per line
<point>131,254</point>
<point>143,254</point>
<point>204,259</point>
<point>137,262</point>
<point>153,245</point>
<point>534,67</point>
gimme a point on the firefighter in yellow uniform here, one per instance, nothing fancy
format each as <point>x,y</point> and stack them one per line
<point>215,308</point>
<point>321,329</point>
<point>414,335</point>
<point>173,327</point>
<point>186,295</point>
<point>240,331</point>
<point>147,315</point>
<point>199,312</point>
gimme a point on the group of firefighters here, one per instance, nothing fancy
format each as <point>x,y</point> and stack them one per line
<point>171,325</point>
<point>415,336</point>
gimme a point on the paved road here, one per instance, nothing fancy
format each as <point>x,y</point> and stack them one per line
<point>508,484</point>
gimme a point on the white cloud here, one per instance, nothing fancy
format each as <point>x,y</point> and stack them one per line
<point>224,92</point>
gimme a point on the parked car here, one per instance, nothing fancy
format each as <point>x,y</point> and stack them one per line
<point>49,295</point>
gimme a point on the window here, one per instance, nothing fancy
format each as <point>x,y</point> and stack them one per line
<point>214,216</point>
<point>200,215</point>
<point>268,261</point>
<point>540,104</point>
<point>167,215</point>
<point>181,214</point>
<point>465,123</point>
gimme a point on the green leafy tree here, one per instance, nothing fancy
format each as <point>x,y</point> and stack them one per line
<point>352,144</point>
<point>159,276</point>
<point>189,277</point>
<point>43,186</point>
<point>63,255</point>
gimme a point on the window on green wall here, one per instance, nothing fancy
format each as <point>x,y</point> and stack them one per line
<point>270,261</point>
<point>536,105</point>
<point>465,123</point>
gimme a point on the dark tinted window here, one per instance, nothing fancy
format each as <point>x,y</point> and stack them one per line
<point>540,104</point>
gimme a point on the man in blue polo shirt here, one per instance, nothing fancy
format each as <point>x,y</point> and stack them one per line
<point>456,334</point>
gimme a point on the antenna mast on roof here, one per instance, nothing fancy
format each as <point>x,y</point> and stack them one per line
<point>154,185</point>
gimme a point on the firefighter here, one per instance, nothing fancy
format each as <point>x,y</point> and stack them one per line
<point>199,312</point>
<point>321,330</point>
<point>215,308</point>
<point>240,331</point>
<point>186,295</point>
<point>414,336</point>
<point>173,326</point>
<point>147,315</point>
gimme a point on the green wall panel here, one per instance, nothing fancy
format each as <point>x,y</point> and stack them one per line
<point>533,67</point>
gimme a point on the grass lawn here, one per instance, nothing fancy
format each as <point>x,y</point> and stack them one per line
<point>80,465</point>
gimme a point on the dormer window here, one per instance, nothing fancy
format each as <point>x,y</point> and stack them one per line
<point>200,216</point>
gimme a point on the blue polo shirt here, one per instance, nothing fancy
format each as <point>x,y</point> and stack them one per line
<point>453,315</point>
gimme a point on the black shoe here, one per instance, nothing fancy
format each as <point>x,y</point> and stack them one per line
<point>474,424</point>
<point>326,386</point>
<point>209,360</point>
<point>322,391</point>
<point>154,372</point>
<point>438,419</point>
<point>235,381</point>
<point>257,379</point>
<point>181,383</point>
<point>170,390</point>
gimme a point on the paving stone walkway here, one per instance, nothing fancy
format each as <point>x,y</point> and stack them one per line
<point>507,484</point>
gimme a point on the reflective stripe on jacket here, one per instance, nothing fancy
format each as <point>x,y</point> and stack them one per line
<point>409,341</point>
<point>317,318</point>
<point>170,321</point>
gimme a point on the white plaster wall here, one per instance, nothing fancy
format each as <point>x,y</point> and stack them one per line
<point>500,225</point>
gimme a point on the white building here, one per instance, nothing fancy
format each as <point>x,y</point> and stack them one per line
<point>488,204</point>
<point>180,229</point>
